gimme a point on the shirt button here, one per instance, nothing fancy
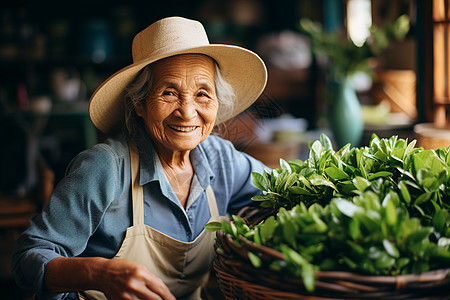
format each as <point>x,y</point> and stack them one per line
<point>190,217</point>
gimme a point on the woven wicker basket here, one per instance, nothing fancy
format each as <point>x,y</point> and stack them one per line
<point>238,279</point>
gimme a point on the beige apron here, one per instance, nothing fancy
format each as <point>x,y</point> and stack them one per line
<point>183,266</point>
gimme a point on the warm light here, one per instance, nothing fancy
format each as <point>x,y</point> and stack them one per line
<point>359,20</point>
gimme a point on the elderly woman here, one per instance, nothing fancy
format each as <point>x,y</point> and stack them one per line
<point>127,221</point>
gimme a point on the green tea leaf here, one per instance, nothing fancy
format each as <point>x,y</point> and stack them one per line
<point>260,198</point>
<point>290,232</point>
<point>361,183</point>
<point>299,190</point>
<point>381,259</point>
<point>280,181</point>
<point>213,226</point>
<point>326,142</point>
<point>308,277</point>
<point>343,151</point>
<point>405,173</point>
<point>356,248</point>
<point>346,207</point>
<point>238,219</point>
<point>260,181</point>
<point>315,228</point>
<point>254,259</point>
<point>369,222</point>
<point>257,237</point>
<point>346,187</point>
<point>418,236</point>
<point>381,174</point>
<point>317,179</point>
<point>336,173</point>
<point>350,263</point>
<point>234,230</point>
<point>404,192</point>
<point>391,249</point>
<point>420,210</point>
<point>410,147</point>
<point>314,155</point>
<point>428,180</point>
<point>395,161</point>
<point>428,160</point>
<point>290,180</point>
<point>285,166</point>
<point>402,262</point>
<point>391,214</point>
<point>294,256</point>
<point>297,165</point>
<point>226,227</point>
<point>381,156</point>
<point>267,228</point>
<point>353,228</point>
<point>438,220</point>
<point>423,198</point>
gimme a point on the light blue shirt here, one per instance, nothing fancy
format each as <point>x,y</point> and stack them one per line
<point>90,208</point>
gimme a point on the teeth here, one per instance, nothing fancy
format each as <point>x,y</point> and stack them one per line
<point>183,129</point>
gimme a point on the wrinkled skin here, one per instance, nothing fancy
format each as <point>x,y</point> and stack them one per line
<point>182,105</point>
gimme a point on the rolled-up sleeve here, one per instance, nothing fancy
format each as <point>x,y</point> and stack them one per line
<point>68,221</point>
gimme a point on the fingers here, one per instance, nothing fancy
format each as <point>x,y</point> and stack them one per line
<point>160,288</point>
<point>138,283</point>
<point>153,286</point>
<point>148,286</point>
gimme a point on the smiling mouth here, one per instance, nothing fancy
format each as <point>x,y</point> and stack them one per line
<point>183,128</point>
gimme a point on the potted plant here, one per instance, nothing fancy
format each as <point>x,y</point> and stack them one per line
<point>344,59</point>
<point>355,223</point>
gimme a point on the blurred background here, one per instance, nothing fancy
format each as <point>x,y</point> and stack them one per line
<point>53,55</point>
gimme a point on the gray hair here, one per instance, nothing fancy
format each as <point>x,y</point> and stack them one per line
<point>137,92</point>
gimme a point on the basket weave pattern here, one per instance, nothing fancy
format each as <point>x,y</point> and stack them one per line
<point>238,279</point>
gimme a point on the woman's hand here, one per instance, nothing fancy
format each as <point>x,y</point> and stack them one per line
<point>124,279</point>
<point>116,278</point>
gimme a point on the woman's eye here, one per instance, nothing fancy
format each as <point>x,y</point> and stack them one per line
<point>168,93</point>
<point>202,94</point>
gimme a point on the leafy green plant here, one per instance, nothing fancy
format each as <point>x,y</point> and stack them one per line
<point>420,177</point>
<point>379,210</point>
<point>344,57</point>
<point>367,235</point>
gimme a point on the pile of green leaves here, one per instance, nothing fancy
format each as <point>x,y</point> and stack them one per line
<point>378,210</point>
<point>421,178</point>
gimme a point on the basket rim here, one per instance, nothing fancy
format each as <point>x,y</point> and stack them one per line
<point>338,282</point>
<point>432,275</point>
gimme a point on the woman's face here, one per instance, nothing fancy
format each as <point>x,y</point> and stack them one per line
<point>182,105</point>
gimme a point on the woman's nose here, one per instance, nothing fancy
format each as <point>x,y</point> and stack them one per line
<point>186,110</point>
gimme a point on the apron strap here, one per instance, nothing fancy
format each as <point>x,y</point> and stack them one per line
<point>212,203</point>
<point>137,194</point>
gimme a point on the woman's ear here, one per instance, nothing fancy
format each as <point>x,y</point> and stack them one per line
<point>139,110</point>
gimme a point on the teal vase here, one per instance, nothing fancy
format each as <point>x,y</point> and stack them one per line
<point>344,114</point>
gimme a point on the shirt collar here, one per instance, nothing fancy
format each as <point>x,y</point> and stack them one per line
<point>150,168</point>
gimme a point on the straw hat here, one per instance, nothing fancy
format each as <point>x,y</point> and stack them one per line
<point>243,69</point>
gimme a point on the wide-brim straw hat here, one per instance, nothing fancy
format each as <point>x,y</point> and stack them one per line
<point>243,69</point>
